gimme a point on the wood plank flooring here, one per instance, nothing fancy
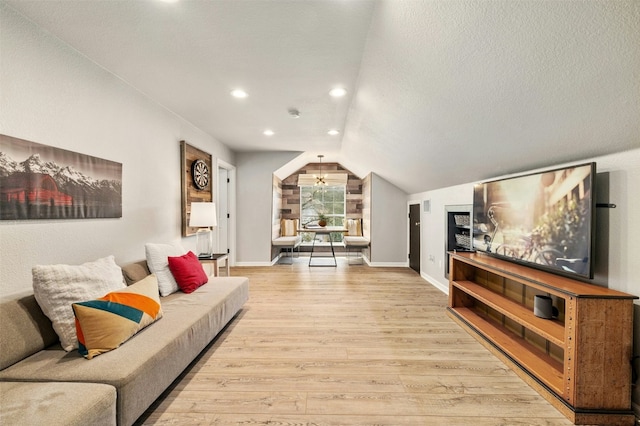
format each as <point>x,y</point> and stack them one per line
<point>351,345</point>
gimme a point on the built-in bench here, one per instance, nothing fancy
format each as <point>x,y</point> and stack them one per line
<point>289,238</point>
<point>354,239</point>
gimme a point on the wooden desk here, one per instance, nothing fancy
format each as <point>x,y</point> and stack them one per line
<point>323,230</point>
<point>215,258</point>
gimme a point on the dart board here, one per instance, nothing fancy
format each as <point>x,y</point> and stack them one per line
<point>200,174</point>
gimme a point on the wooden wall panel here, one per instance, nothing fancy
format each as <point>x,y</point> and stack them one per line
<point>291,192</point>
<point>190,193</point>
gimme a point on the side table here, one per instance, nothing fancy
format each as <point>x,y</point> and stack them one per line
<point>215,258</point>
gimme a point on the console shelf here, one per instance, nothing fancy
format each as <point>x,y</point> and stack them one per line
<point>579,361</point>
<point>552,330</point>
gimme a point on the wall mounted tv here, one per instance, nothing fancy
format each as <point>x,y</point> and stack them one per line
<point>544,220</point>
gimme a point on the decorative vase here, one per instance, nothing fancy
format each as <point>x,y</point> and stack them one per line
<point>322,223</point>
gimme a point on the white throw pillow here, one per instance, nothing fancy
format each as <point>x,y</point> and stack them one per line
<point>56,287</point>
<point>158,263</point>
<point>354,228</point>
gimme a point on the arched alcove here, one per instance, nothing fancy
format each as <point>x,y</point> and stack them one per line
<point>287,196</point>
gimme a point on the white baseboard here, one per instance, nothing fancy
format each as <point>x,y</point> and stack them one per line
<point>387,264</point>
<point>253,264</point>
<point>364,259</point>
<point>283,255</point>
<point>437,284</point>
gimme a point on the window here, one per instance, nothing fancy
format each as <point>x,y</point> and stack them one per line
<point>323,201</point>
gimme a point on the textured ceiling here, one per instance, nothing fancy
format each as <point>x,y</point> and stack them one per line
<point>439,92</point>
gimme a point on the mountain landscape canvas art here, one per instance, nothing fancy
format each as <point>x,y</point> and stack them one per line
<point>43,182</point>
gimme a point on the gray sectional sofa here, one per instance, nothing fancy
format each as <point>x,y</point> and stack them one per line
<point>40,383</point>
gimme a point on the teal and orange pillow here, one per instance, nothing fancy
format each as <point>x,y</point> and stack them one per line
<point>104,324</point>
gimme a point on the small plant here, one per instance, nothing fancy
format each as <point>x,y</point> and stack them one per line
<point>322,219</point>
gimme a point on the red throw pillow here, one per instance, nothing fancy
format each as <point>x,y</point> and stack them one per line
<point>187,271</point>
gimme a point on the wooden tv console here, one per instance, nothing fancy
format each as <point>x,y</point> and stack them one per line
<point>579,361</point>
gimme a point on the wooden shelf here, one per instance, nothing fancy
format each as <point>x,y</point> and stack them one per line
<point>562,359</point>
<point>551,330</point>
<point>545,281</point>
<point>531,358</point>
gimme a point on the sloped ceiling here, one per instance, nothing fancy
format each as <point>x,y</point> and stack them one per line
<point>440,92</point>
<point>457,91</point>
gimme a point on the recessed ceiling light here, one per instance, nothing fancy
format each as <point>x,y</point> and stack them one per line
<point>268,132</point>
<point>239,93</point>
<point>338,92</point>
<point>333,132</point>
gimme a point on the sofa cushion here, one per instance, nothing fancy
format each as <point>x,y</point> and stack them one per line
<point>134,272</point>
<point>355,241</point>
<point>56,287</point>
<point>157,259</point>
<point>104,324</point>
<point>56,403</point>
<point>24,330</point>
<point>188,272</point>
<point>287,241</point>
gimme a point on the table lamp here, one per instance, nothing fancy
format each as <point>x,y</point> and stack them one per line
<point>203,216</point>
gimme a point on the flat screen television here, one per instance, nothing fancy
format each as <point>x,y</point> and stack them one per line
<point>544,220</point>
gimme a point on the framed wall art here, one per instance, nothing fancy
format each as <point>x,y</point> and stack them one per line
<point>43,182</point>
<point>196,181</point>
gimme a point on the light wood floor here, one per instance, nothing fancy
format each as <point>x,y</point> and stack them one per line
<point>351,345</point>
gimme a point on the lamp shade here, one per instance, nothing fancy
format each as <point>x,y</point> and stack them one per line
<point>203,215</point>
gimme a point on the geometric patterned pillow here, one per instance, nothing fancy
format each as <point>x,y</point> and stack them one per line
<point>106,323</point>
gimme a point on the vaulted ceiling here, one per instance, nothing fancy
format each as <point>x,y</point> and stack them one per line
<point>439,92</point>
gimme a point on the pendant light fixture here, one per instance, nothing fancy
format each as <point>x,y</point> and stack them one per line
<point>323,179</point>
<point>320,179</point>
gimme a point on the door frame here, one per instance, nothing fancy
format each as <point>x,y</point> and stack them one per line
<point>231,205</point>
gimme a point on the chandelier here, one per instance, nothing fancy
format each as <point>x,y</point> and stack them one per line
<point>323,180</point>
<point>320,180</point>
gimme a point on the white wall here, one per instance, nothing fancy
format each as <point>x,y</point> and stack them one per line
<point>624,226</point>
<point>51,94</point>
<point>432,229</point>
<point>388,224</point>
<point>254,204</point>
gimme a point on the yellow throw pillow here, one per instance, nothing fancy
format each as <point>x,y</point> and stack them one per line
<point>288,227</point>
<point>105,323</point>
